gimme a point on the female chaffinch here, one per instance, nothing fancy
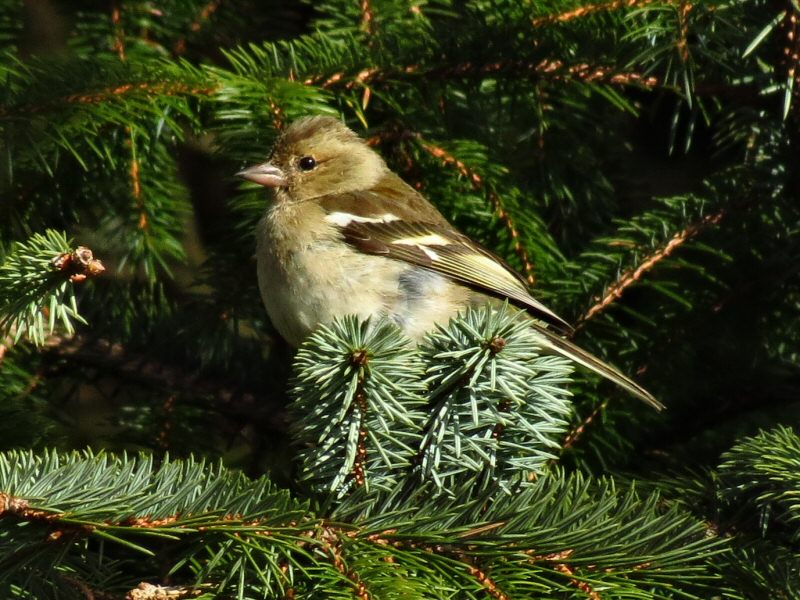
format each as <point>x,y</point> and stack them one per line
<point>345,235</point>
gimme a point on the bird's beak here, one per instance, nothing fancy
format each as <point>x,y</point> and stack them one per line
<point>264,174</point>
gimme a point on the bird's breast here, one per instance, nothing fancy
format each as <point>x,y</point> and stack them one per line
<point>309,279</point>
<point>314,277</point>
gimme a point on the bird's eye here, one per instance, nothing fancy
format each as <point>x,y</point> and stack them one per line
<point>307,163</point>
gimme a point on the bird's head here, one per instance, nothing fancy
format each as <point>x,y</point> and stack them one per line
<point>316,156</point>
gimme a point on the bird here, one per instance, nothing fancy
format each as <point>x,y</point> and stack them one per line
<point>344,234</point>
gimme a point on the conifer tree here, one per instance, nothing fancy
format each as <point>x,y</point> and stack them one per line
<point>636,161</point>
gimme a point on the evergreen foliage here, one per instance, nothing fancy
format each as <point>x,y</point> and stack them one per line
<point>36,282</point>
<point>104,521</point>
<point>636,160</point>
<point>359,406</point>
<point>476,404</point>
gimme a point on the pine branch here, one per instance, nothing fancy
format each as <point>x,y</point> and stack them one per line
<point>368,18</point>
<point>496,405</point>
<point>760,480</point>
<point>358,392</point>
<point>589,9</point>
<point>751,498</point>
<point>547,551</point>
<point>546,70</point>
<point>36,286</point>
<point>128,503</point>
<point>153,90</point>
<point>631,276</point>
<point>215,530</point>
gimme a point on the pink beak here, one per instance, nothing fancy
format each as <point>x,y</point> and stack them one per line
<point>264,174</point>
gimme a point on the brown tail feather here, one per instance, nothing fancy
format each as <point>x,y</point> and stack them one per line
<point>569,350</point>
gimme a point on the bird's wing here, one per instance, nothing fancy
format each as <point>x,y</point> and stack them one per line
<point>395,232</point>
<point>402,225</point>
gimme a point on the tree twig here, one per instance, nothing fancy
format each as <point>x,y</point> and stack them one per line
<point>633,275</point>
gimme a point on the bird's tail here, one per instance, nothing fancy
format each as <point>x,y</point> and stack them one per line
<point>567,349</point>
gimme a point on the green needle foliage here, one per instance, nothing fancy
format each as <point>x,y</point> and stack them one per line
<point>499,408</point>
<point>36,286</point>
<point>636,161</point>
<point>360,408</point>
<point>105,520</point>
<point>751,498</point>
<point>760,477</point>
<point>477,403</point>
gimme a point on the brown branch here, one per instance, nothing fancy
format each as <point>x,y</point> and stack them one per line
<point>479,185</point>
<point>684,8</point>
<point>151,523</point>
<point>153,89</point>
<point>576,433</point>
<point>590,9</point>
<point>332,544</point>
<point>367,17</point>
<point>119,34</point>
<point>166,428</point>
<point>482,576</point>
<point>161,89</point>
<point>61,524</point>
<point>277,115</point>
<point>791,51</point>
<point>558,558</point>
<point>136,184</point>
<point>359,471</point>
<point>556,70</point>
<point>143,369</point>
<point>555,556</point>
<point>499,429</point>
<point>360,359</point>
<point>631,276</point>
<point>487,582</point>
<point>588,73</point>
<point>21,508</point>
<point>362,77</point>
<point>119,45</point>
<point>581,585</point>
<point>84,588</point>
